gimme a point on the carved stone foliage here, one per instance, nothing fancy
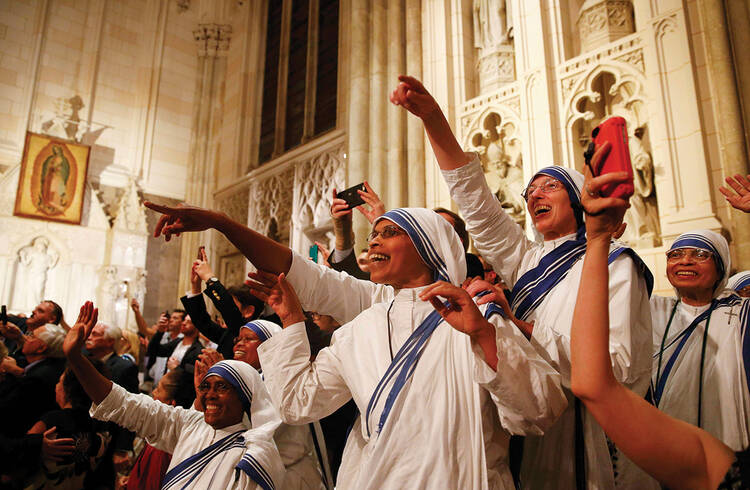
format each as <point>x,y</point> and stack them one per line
<point>213,39</point>
<point>314,180</point>
<point>615,90</point>
<point>603,21</point>
<point>131,215</point>
<point>235,205</point>
<point>494,136</point>
<point>271,205</point>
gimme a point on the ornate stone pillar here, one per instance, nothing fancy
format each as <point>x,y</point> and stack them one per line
<point>603,21</point>
<point>213,43</point>
<point>493,36</point>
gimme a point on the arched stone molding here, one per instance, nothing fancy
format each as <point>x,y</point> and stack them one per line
<point>271,200</point>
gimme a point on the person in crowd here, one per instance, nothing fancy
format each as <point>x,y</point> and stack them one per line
<point>102,346</point>
<point>170,324</point>
<point>392,358</point>
<point>151,464</point>
<point>228,445</point>
<point>46,312</point>
<point>182,353</point>
<point>740,284</point>
<point>72,421</point>
<point>295,442</point>
<point>543,275</point>
<point>144,329</point>
<point>678,454</point>
<point>24,399</point>
<point>236,306</point>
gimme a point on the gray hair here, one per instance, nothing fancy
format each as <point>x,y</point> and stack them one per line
<point>54,336</point>
<point>114,333</point>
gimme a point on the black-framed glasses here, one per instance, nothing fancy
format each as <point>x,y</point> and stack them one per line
<point>697,254</point>
<point>548,186</point>
<point>388,231</point>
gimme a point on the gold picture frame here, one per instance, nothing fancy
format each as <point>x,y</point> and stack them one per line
<point>52,180</point>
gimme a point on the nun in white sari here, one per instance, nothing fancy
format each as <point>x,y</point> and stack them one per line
<point>701,360</point>
<point>434,414</point>
<point>238,456</point>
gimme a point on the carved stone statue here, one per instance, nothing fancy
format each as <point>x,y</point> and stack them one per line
<point>491,24</point>
<point>643,213</point>
<point>36,260</point>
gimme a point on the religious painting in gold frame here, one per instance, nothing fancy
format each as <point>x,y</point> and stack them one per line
<point>52,179</point>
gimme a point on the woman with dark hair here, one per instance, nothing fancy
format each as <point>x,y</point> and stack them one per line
<point>72,421</point>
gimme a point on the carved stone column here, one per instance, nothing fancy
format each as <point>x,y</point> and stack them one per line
<point>212,43</point>
<point>493,36</point>
<point>603,21</point>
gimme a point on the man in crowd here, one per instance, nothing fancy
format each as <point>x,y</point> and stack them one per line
<point>102,346</point>
<point>169,325</point>
<point>45,312</point>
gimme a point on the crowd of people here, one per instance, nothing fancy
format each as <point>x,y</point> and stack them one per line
<point>411,364</point>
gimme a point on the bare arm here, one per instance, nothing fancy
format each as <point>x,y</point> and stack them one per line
<point>97,386</point>
<point>260,250</point>
<point>411,95</point>
<point>677,454</point>
<point>143,327</point>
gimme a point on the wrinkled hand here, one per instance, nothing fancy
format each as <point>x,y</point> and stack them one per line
<point>603,214</point>
<point>182,218</point>
<point>412,96</point>
<point>277,293</point>
<point>462,314</point>
<point>56,449</point>
<point>80,331</point>
<point>740,198</point>
<point>376,206</point>
<point>10,331</point>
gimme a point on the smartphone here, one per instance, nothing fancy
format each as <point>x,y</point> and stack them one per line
<point>351,196</point>
<point>314,252</point>
<point>3,314</point>
<point>615,131</point>
<point>201,252</point>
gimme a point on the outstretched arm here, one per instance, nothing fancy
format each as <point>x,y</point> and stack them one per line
<point>260,250</point>
<point>97,386</point>
<point>678,454</point>
<point>412,96</point>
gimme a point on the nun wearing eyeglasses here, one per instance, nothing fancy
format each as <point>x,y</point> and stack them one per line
<point>701,365</point>
<point>440,386</point>
<point>227,446</point>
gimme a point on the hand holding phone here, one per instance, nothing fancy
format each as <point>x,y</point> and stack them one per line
<point>3,314</point>
<point>351,196</point>
<point>615,131</point>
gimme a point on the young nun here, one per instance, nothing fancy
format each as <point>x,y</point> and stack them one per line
<point>295,442</point>
<point>701,363</point>
<point>229,445</point>
<point>439,387</point>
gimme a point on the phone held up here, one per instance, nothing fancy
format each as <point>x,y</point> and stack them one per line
<point>614,130</point>
<point>351,196</point>
<point>314,252</point>
<point>3,314</point>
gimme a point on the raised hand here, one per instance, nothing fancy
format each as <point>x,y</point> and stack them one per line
<point>603,214</point>
<point>324,253</point>
<point>182,218</point>
<point>277,293</point>
<point>134,305</point>
<point>56,449</point>
<point>740,198</point>
<point>461,313</point>
<point>339,208</point>
<point>377,208</point>
<point>412,96</point>
<point>80,331</point>
<point>497,295</point>
<point>209,357</point>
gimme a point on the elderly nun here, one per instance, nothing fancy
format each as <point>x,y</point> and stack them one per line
<point>700,370</point>
<point>440,386</point>
<point>740,283</point>
<point>229,445</point>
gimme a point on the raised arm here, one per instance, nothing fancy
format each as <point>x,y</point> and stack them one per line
<point>143,327</point>
<point>97,386</point>
<point>678,454</point>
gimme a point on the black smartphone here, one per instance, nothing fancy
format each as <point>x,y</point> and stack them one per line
<point>351,196</point>
<point>3,314</point>
<point>314,252</point>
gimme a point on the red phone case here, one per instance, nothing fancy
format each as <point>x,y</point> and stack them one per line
<point>615,131</point>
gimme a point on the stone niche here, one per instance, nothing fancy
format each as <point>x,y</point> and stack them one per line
<point>602,21</point>
<point>493,39</point>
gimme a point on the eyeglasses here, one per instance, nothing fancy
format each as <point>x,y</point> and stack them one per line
<point>548,186</point>
<point>220,387</point>
<point>697,254</point>
<point>388,231</point>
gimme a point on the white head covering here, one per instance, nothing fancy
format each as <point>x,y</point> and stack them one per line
<point>435,239</point>
<point>263,329</point>
<point>714,243</point>
<point>572,180</point>
<point>739,281</point>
